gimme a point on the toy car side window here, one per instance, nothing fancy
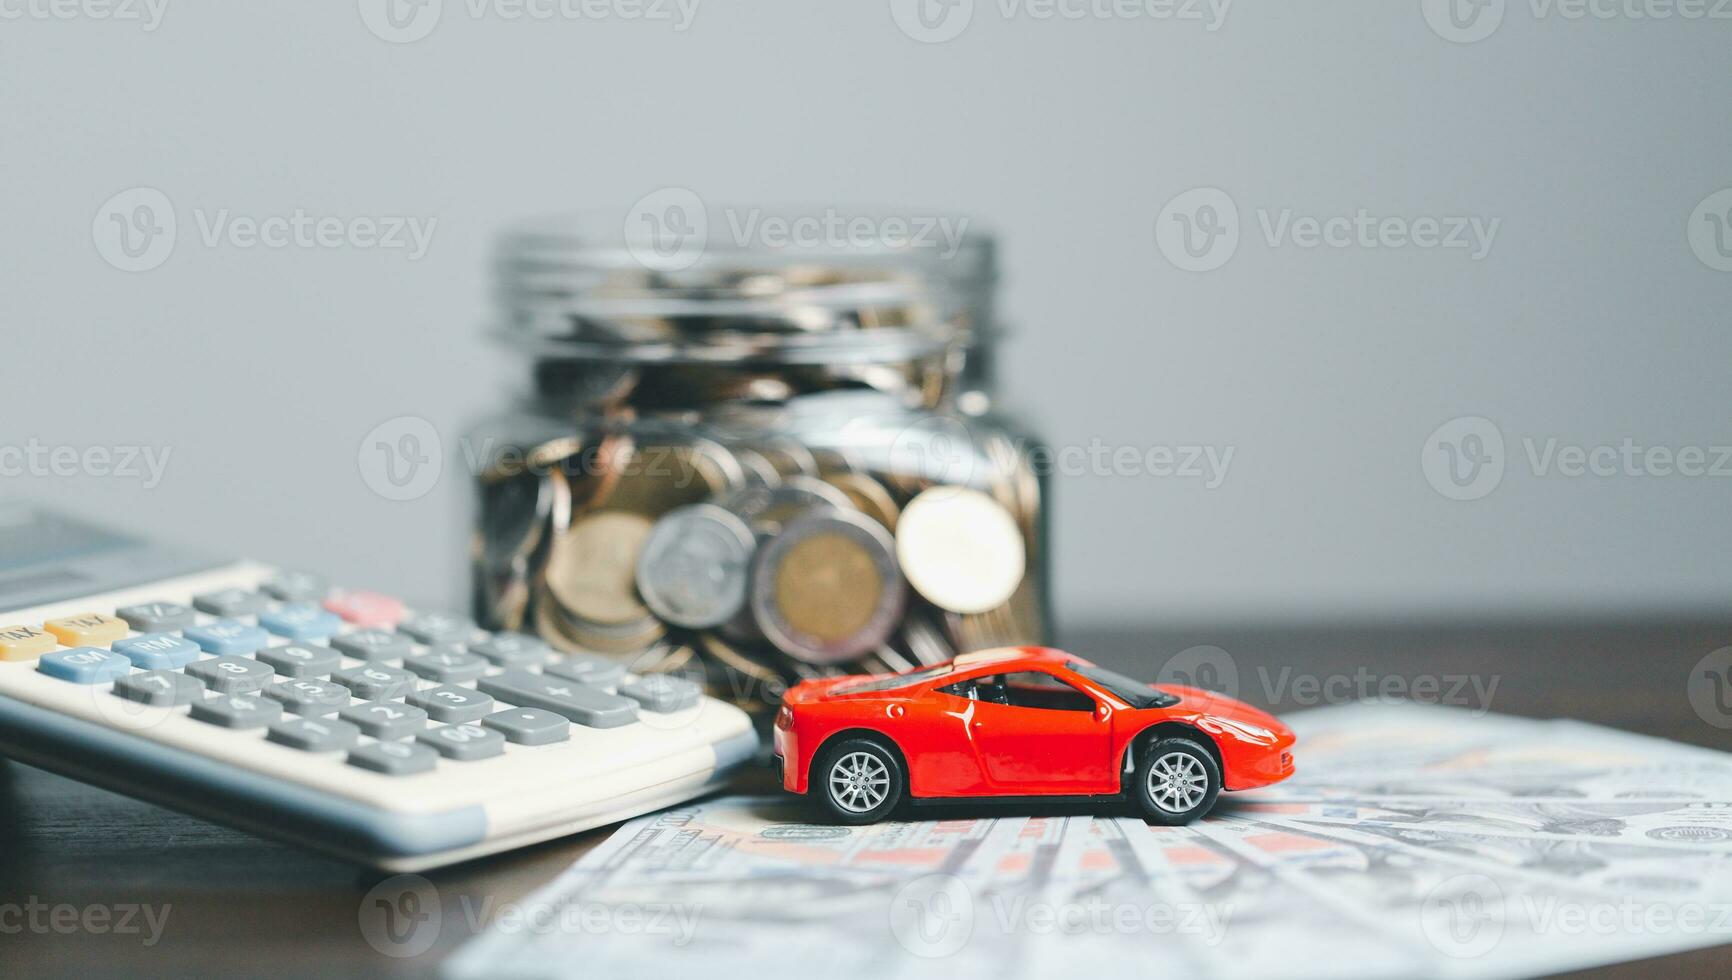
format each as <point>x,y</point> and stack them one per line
<point>1035,689</point>
<point>961,689</point>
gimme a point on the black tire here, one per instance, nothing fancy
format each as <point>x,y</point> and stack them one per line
<point>1177,781</point>
<point>858,779</point>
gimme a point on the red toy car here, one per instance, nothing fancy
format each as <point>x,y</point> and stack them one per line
<point>1022,724</point>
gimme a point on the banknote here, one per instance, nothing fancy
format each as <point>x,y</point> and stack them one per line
<point>1415,841</point>
<point>1691,824</point>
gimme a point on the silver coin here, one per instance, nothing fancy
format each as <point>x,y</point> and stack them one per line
<point>827,590</point>
<point>694,566</point>
<point>767,508</point>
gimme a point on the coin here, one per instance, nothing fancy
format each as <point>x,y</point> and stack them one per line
<point>826,589</point>
<point>960,549</point>
<point>514,511</point>
<point>695,566</point>
<point>591,569</point>
<point>868,496</point>
<point>659,477</point>
<point>766,508</point>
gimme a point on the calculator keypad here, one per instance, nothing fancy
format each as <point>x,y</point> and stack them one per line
<point>319,671</point>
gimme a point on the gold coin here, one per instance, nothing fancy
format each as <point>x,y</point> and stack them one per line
<point>658,478</point>
<point>869,496</point>
<point>827,587</point>
<point>592,568</point>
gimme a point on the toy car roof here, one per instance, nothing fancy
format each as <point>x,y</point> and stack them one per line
<point>1012,655</point>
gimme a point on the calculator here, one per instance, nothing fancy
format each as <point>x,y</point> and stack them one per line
<point>340,719</point>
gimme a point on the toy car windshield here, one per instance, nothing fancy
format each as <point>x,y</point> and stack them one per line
<point>1135,693</point>
<point>896,680</point>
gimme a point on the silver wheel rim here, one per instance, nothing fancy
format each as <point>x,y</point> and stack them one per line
<point>1178,782</point>
<point>859,782</point>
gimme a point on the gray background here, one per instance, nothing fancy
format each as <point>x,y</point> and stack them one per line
<point>1326,370</point>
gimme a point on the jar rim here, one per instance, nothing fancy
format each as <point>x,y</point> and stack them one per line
<point>583,285</point>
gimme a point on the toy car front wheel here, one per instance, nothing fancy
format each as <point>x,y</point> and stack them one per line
<point>1177,781</point>
<point>859,780</point>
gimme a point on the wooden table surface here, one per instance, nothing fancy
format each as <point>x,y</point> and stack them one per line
<point>242,906</point>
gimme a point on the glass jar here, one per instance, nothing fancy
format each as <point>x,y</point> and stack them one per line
<point>757,465</point>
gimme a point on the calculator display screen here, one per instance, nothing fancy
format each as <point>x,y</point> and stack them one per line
<point>46,557</point>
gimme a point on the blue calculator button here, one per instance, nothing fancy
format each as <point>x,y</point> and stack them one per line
<point>228,637</point>
<point>157,651</point>
<point>85,665</point>
<point>301,621</point>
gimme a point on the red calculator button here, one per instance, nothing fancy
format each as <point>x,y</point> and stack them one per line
<point>368,610</point>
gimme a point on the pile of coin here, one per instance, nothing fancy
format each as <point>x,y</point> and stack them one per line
<point>755,563</point>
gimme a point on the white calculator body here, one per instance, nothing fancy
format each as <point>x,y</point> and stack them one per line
<point>341,720</point>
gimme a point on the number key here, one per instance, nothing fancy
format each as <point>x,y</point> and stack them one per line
<point>302,659</point>
<point>453,704</point>
<point>385,719</point>
<point>465,743</point>
<point>374,682</point>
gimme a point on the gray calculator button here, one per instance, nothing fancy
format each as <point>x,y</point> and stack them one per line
<point>661,693</point>
<point>374,645</point>
<point>529,726</point>
<point>438,628</point>
<point>453,704</point>
<point>161,687</point>
<point>301,659</point>
<point>315,734</point>
<point>464,742</point>
<point>577,701</point>
<point>512,650</point>
<point>385,719</point>
<point>230,602</point>
<point>232,675</point>
<point>297,587</point>
<point>447,665</point>
<point>309,696</point>
<point>588,668</point>
<point>394,758</point>
<point>237,711</point>
<point>376,682</point>
<point>156,617</point>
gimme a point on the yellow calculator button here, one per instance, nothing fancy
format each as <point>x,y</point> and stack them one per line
<point>24,643</point>
<point>87,629</point>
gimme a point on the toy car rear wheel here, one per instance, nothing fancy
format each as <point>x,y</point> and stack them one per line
<point>1177,781</point>
<point>859,780</point>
